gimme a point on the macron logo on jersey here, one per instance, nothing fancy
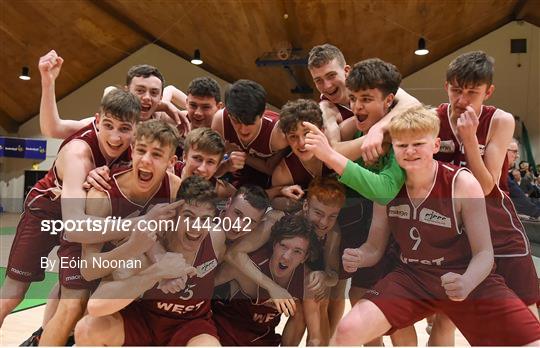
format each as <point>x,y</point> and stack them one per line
<point>400,211</point>
<point>481,149</point>
<point>429,216</point>
<point>205,268</point>
<point>447,146</point>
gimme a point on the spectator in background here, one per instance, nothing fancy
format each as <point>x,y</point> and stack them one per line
<point>522,203</point>
<point>512,154</point>
<point>527,180</point>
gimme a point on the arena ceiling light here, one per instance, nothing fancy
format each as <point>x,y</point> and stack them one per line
<point>25,73</point>
<point>197,58</point>
<point>421,50</point>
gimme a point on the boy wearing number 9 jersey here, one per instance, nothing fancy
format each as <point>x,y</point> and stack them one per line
<point>438,220</point>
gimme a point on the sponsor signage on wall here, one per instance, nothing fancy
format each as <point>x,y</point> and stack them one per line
<point>23,148</point>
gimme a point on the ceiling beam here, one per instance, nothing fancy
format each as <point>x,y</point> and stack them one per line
<point>121,17</point>
<point>7,123</point>
<point>519,10</point>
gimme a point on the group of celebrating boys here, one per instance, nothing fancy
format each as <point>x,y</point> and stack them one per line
<point>275,211</point>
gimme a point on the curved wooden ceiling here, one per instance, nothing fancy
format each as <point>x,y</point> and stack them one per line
<point>232,34</point>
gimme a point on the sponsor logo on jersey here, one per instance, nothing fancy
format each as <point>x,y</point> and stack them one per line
<point>256,153</point>
<point>205,268</point>
<point>447,146</point>
<point>400,211</point>
<point>429,216</point>
<point>373,292</point>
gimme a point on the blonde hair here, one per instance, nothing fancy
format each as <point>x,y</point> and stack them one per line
<point>416,120</point>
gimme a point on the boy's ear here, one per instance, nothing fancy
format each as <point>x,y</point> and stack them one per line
<point>98,119</point>
<point>489,92</point>
<point>347,69</point>
<point>305,206</point>
<point>389,100</point>
<point>220,105</point>
<point>437,145</point>
<point>173,160</point>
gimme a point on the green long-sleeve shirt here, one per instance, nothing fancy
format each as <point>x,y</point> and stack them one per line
<point>380,184</point>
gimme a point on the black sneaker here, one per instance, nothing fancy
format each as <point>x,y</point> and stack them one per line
<point>33,340</point>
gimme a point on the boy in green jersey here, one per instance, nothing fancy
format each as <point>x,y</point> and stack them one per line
<point>372,85</point>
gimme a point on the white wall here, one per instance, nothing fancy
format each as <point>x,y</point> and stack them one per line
<point>517,88</point>
<point>84,102</point>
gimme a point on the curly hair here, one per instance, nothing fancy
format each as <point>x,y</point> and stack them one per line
<point>298,111</point>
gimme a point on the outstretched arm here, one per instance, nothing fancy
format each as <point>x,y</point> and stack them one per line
<point>50,123</point>
<point>174,95</point>
<point>372,145</point>
<point>330,116</point>
<point>380,187</point>
<point>74,201</point>
<point>267,165</point>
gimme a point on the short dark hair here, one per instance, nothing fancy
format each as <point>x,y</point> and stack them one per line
<point>197,190</point>
<point>298,111</point>
<point>292,225</point>
<point>323,54</point>
<point>145,71</point>
<point>121,105</point>
<point>245,100</point>
<point>472,68</point>
<point>254,195</point>
<point>161,131</point>
<point>374,73</point>
<point>204,87</point>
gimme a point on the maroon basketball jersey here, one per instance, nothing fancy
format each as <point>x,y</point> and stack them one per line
<point>251,321</point>
<point>194,301</point>
<point>178,167</point>
<point>258,147</point>
<point>300,174</point>
<point>507,232</point>
<point>429,235</point>
<point>51,186</point>
<point>122,206</point>
<point>345,111</point>
<point>452,150</point>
